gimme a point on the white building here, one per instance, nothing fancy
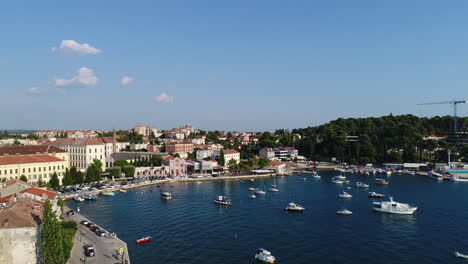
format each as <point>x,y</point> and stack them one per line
<point>231,154</point>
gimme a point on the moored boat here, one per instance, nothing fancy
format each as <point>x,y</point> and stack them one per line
<point>375,195</point>
<point>345,195</point>
<point>344,212</point>
<point>295,207</point>
<point>78,198</point>
<point>460,255</point>
<point>393,207</point>
<point>252,196</point>
<point>252,189</point>
<point>143,239</point>
<point>108,194</point>
<point>381,182</point>
<point>166,195</point>
<point>222,200</point>
<point>264,256</point>
<point>362,185</point>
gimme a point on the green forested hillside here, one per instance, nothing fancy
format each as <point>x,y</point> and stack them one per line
<point>382,139</point>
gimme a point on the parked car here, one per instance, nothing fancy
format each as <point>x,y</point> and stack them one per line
<point>89,250</point>
<point>70,213</point>
<point>95,229</point>
<point>91,225</point>
<point>84,222</point>
<point>101,233</point>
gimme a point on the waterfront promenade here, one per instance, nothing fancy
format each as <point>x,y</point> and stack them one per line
<point>105,247</point>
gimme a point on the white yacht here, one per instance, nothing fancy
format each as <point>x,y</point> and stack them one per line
<point>295,207</point>
<point>393,207</point>
<point>375,195</point>
<point>316,176</point>
<point>252,189</point>
<point>166,195</point>
<point>258,191</point>
<point>344,212</point>
<point>265,256</point>
<point>345,195</point>
<point>252,196</point>
<point>338,180</point>
<point>273,189</point>
<point>460,255</point>
<point>362,185</point>
<point>222,200</point>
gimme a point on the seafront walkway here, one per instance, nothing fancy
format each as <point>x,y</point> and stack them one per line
<point>106,248</point>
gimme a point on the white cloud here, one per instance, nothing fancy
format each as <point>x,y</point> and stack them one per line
<point>85,77</point>
<point>34,90</point>
<point>71,47</point>
<point>164,98</point>
<point>126,80</point>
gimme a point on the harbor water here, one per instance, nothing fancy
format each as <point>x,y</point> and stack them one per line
<point>190,228</point>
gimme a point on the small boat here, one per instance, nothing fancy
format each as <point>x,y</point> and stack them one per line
<point>258,191</point>
<point>89,197</point>
<point>362,185</point>
<point>381,182</point>
<point>222,200</point>
<point>78,209</point>
<point>123,191</point>
<point>375,195</point>
<point>143,239</point>
<point>316,176</point>
<point>241,181</point>
<point>349,188</point>
<point>252,196</point>
<point>393,207</point>
<point>460,255</point>
<point>108,194</point>
<point>295,207</point>
<point>344,212</point>
<point>252,180</point>
<point>252,189</point>
<point>345,195</point>
<point>273,189</point>
<point>264,256</point>
<point>304,179</point>
<point>337,181</point>
<point>78,198</point>
<point>166,195</point>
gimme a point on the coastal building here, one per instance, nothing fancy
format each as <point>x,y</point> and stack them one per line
<point>231,154</point>
<point>11,187</point>
<point>199,140</point>
<point>34,162</point>
<point>288,153</point>
<point>179,148</point>
<point>277,167</point>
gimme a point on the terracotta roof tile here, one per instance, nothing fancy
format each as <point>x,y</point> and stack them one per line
<point>7,160</point>
<point>25,150</point>
<point>39,192</point>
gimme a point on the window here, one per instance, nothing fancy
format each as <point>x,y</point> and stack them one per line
<point>44,168</point>
<point>49,167</point>
<point>29,169</point>
<point>54,167</point>
<point>24,170</point>
<point>62,167</point>
<point>11,171</point>
<point>34,169</point>
<point>29,177</point>
<point>89,150</point>
<point>95,150</point>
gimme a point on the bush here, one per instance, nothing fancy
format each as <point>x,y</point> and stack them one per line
<point>129,170</point>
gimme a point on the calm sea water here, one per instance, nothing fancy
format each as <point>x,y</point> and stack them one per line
<point>192,229</point>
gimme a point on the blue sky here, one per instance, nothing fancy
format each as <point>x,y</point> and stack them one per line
<point>237,65</point>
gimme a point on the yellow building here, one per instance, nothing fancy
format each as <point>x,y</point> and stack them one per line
<point>34,162</point>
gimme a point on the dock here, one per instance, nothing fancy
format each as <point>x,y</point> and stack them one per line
<point>107,249</point>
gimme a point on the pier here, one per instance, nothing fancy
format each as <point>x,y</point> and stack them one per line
<point>107,249</point>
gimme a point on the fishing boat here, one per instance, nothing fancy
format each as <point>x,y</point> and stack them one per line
<point>381,182</point>
<point>295,207</point>
<point>344,212</point>
<point>345,195</point>
<point>143,239</point>
<point>375,195</point>
<point>264,256</point>
<point>78,198</point>
<point>393,207</point>
<point>166,195</point>
<point>362,185</point>
<point>460,255</point>
<point>222,200</point>
<point>108,194</point>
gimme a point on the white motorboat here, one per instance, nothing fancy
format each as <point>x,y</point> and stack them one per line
<point>393,207</point>
<point>123,191</point>
<point>460,255</point>
<point>435,175</point>
<point>362,185</point>
<point>252,180</point>
<point>252,196</point>
<point>252,189</point>
<point>338,180</point>
<point>295,207</point>
<point>166,195</point>
<point>222,200</point>
<point>265,256</point>
<point>345,195</point>
<point>459,179</point>
<point>258,191</point>
<point>78,198</point>
<point>375,195</point>
<point>344,212</point>
<point>273,189</point>
<point>316,176</point>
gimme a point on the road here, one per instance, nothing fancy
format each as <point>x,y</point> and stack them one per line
<point>105,247</point>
